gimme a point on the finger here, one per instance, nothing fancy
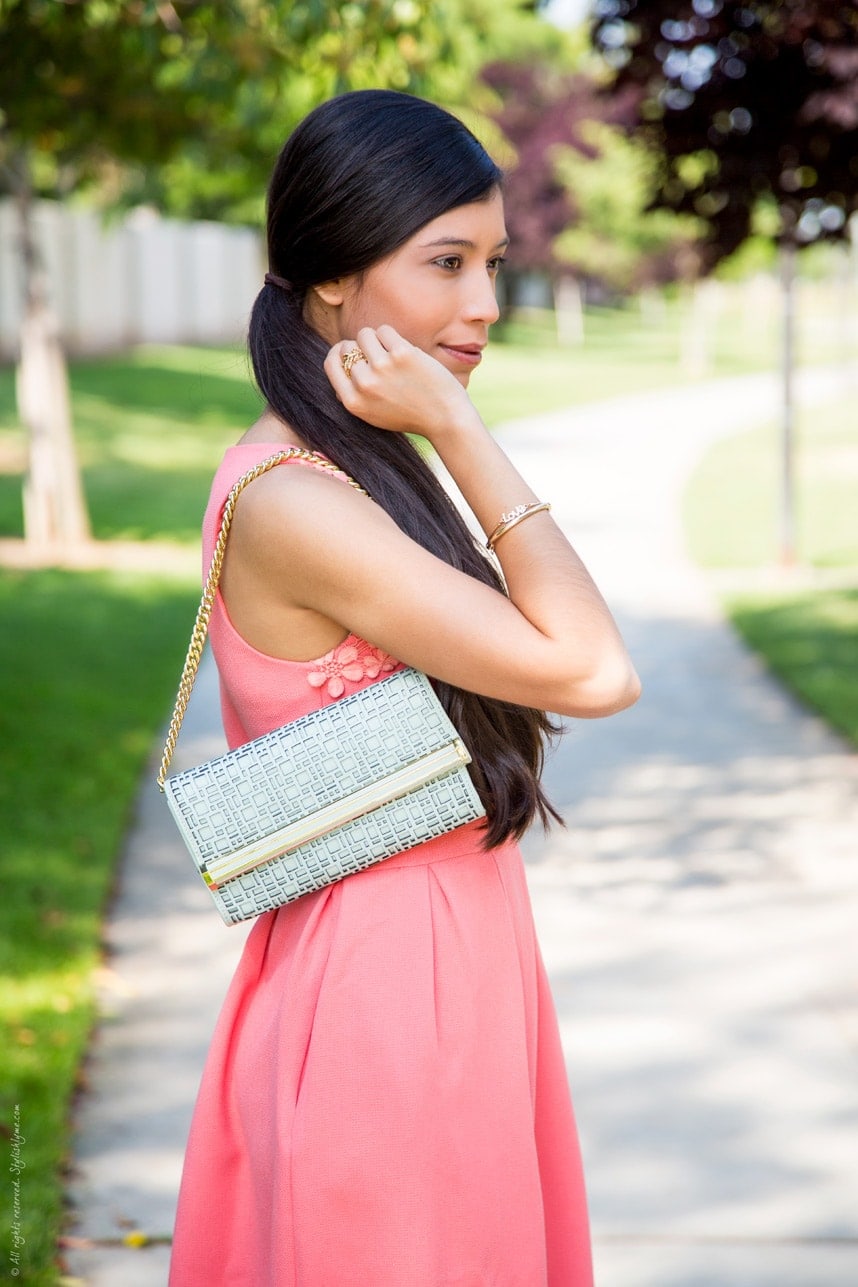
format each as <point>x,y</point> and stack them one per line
<point>334,368</point>
<point>343,347</point>
<point>353,358</point>
<point>364,360</point>
<point>392,341</point>
<point>370,344</point>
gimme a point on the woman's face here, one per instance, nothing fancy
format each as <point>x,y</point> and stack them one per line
<point>437,290</point>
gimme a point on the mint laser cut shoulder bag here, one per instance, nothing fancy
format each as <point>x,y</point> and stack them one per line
<point>324,796</point>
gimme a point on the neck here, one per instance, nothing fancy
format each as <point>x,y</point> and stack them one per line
<point>270,428</point>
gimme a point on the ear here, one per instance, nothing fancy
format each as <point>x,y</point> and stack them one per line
<point>331,293</point>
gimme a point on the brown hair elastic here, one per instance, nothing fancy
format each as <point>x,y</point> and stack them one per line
<point>271,279</point>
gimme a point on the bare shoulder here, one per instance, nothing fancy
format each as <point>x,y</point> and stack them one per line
<point>300,505</point>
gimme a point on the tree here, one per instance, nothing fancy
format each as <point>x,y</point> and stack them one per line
<point>185,103</point>
<point>84,84</point>
<point>616,236</point>
<point>64,69</point>
<point>544,110</point>
<point>752,104</point>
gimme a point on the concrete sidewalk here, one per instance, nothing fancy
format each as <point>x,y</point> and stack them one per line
<point>697,918</point>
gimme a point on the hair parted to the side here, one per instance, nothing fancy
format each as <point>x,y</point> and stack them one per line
<point>358,177</point>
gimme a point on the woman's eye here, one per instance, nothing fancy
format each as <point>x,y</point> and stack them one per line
<point>451,262</point>
<point>496,264</point>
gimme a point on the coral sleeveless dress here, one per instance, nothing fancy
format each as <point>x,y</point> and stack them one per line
<point>385,1101</point>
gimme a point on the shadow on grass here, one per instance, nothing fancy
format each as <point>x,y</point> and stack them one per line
<point>88,663</point>
<point>150,429</point>
<point>196,386</point>
<point>128,501</point>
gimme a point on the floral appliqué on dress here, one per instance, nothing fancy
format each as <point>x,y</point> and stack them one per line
<point>350,660</point>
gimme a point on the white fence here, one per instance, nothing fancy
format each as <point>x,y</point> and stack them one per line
<point>143,279</point>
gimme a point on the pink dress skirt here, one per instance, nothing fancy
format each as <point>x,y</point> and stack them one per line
<point>385,1101</point>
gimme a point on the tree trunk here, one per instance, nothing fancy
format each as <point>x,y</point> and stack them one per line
<point>55,514</point>
<point>704,300</point>
<point>652,306</point>
<point>848,287</point>
<point>787,452</point>
<point>568,310</point>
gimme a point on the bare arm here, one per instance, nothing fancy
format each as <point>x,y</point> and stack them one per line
<point>331,554</point>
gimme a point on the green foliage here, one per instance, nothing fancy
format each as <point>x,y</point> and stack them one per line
<point>541,105</point>
<point>616,237</point>
<point>186,104</point>
<point>87,667</point>
<point>757,254</point>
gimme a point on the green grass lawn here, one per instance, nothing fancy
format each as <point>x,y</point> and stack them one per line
<point>150,429</point>
<point>732,503</point>
<point>151,425</point>
<point>623,351</point>
<point>810,641</point>
<point>87,661</point>
<point>804,623</point>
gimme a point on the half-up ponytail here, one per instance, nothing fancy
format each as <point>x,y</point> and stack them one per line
<point>358,177</point>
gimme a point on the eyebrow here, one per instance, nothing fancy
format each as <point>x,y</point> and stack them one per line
<point>460,241</point>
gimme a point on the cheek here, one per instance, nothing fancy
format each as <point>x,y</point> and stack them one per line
<point>382,309</point>
<point>412,309</point>
<point>414,312</point>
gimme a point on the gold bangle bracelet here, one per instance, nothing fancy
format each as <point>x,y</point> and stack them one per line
<point>513,518</point>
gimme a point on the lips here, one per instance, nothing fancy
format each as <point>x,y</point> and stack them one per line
<point>468,354</point>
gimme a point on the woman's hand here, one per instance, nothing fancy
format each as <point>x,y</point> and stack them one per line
<point>398,386</point>
<point>291,575</point>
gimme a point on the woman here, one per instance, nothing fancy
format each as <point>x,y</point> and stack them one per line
<point>385,1101</point>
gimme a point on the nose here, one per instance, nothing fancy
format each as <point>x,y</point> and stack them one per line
<point>480,301</point>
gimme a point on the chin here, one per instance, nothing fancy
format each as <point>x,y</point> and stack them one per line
<point>464,378</point>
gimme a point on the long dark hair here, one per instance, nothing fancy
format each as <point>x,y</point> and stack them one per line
<point>358,177</point>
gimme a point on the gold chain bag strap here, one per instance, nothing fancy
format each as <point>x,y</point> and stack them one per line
<point>324,796</point>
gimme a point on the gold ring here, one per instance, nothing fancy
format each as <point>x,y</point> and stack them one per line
<point>351,358</point>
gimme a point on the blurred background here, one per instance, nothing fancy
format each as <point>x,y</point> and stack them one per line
<point>682,181</point>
